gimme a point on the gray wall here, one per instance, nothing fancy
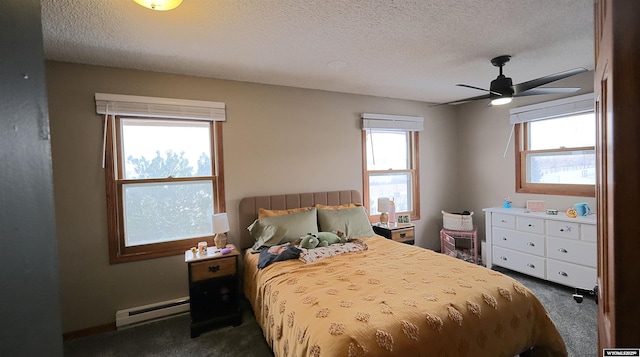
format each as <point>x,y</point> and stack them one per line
<point>276,140</point>
<point>29,297</point>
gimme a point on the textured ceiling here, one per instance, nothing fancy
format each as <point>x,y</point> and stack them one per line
<point>410,49</point>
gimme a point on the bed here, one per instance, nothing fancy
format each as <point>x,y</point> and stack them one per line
<point>390,299</point>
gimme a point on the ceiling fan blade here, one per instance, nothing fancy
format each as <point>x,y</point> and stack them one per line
<point>460,101</point>
<point>525,86</point>
<point>482,89</point>
<point>538,91</point>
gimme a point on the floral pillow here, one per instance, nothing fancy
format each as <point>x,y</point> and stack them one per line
<point>315,254</point>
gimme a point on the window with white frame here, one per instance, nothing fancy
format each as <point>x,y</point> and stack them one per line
<point>164,176</point>
<point>391,165</point>
<point>555,143</point>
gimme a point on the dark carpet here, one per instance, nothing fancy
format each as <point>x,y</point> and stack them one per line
<point>171,337</point>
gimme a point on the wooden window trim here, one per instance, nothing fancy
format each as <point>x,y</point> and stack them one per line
<point>522,186</point>
<point>414,158</point>
<point>118,253</point>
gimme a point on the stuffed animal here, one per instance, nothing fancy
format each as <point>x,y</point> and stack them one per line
<point>309,241</point>
<point>330,238</point>
<point>322,239</point>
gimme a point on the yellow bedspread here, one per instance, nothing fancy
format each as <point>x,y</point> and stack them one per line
<point>396,299</point>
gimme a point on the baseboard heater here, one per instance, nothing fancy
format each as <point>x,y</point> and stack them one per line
<point>152,312</point>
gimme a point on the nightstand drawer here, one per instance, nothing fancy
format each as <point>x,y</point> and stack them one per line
<point>213,268</point>
<point>403,235</point>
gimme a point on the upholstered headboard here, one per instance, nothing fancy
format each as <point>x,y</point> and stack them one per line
<point>249,206</point>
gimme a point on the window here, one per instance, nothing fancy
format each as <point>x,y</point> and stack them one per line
<point>164,182</point>
<point>390,167</point>
<point>557,155</point>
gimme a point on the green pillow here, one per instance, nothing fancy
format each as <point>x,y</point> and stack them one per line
<point>265,236</point>
<point>275,230</point>
<point>354,222</point>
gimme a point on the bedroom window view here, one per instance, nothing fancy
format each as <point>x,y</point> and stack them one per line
<point>166,185</point>
<point>389,168</point>
<point>558,155</point>
<point>163,210</point>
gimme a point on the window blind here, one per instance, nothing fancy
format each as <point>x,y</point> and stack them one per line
<point>552,109</point>
<point>392,122</point>
<point>119,104</point>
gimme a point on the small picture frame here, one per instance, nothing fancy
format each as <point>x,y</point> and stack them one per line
<point>403,219</point>
<point>536,206</point>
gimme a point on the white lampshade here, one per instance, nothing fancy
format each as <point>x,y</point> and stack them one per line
<point>384,204</point>
<point>220,223</point>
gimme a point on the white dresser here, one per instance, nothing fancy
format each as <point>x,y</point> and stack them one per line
<point>554,248</point>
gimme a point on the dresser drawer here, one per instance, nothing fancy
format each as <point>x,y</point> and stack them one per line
<point>588,233</point>
<point>213,268</point>
<point>570,274</point>
<point>572,251</point>
<point>563,229</point>
<point>524,242</point>
<point>530,225</point>
<point>524,263</point>
<point>503,220</point>
<point>403,235</point>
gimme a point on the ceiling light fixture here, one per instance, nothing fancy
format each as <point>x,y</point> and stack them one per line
<point>501,100</point>
<point>159,5</point>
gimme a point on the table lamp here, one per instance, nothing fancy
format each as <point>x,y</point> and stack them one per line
<point>384,204</point>
<point>220,225</point>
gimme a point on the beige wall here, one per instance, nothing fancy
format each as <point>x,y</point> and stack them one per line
<point>485,176</point>
<point>276,140</point>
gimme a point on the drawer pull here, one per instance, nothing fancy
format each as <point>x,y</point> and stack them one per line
<point>214,268</point>
<point>562,250</point>
<point>531,244</point>
<point>503,221</point>
<point>503,258</point>
<point>503,238</point>
<point>530,225</point>
<point>563,273</point>
<point>531,266</point>
<point>402,235</point>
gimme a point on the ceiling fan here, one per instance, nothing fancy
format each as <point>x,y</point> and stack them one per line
<point>502,89</point>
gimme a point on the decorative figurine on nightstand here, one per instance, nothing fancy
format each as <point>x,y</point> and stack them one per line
<point>507,202</point>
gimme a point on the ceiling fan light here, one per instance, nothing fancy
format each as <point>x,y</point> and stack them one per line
<point>159,5</point>
<point>501,101</point>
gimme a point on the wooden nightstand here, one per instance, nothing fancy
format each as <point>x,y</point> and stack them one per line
<point>403,234</point>
<point>213,290</point>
